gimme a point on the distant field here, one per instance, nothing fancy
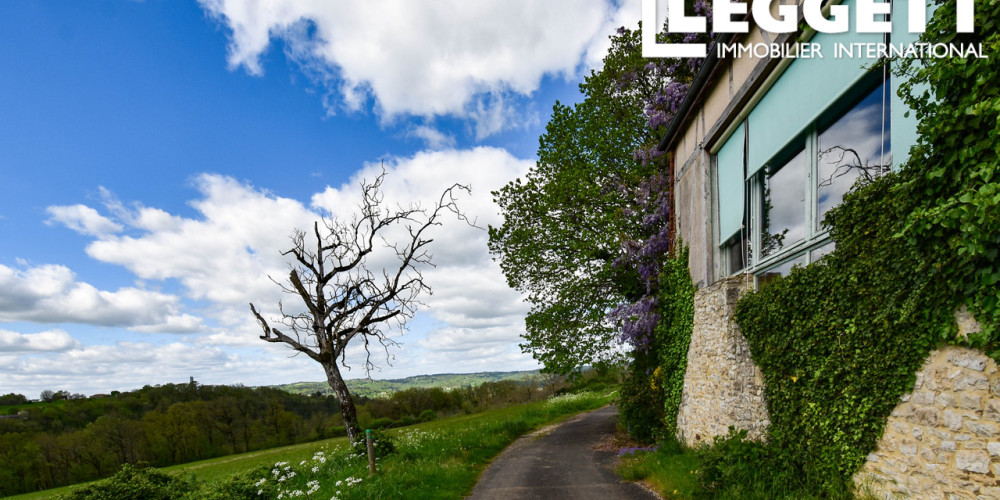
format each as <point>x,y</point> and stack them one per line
<point>438,459</point>
<point>384,388</point>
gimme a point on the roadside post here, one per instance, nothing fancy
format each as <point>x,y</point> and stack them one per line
<point>371,452</point>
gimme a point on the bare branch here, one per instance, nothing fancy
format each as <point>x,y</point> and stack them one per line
<point>274,335</point>
<point>343,298</point>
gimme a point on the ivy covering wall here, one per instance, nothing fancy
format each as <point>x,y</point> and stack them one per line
<point>839,341</point>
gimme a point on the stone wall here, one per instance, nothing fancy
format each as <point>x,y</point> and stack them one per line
<point>943,440</point>
<point>722,386</point>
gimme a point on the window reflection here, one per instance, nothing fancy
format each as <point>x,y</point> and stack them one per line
<point>818,253</point>
<point>780,270</point>
<point>784,211</point>
<point>855,146</point>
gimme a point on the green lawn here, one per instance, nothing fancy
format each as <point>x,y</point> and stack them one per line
<point>439,459</point>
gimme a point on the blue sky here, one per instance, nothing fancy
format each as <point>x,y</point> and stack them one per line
<point>155,156</point>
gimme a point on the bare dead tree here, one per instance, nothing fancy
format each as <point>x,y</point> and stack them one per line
<point>346,299</point>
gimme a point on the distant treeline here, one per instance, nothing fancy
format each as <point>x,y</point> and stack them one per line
<point>67,441</point>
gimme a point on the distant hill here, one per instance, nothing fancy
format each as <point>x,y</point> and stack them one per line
<point>385,388</point>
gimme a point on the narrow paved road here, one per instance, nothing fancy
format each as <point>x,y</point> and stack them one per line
<point>562,464</point>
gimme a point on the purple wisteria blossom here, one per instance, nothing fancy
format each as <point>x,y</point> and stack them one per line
<point>652,199</point>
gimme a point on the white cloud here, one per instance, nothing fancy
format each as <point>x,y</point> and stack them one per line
<point>82,219</point>
<point>222,258</point>
<point>426,58</point>
<point>47,341</point>
<point>434,138</point>
<point>130,365</point>
<point>51,294</point>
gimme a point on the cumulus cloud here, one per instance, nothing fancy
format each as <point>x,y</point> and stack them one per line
<point>223,256</point>
<point>47,341</point>
<point>129,365</point>
<point>82,219</point>
<point>425,58</point>
<point>51,294</point>
<point>434,138</point>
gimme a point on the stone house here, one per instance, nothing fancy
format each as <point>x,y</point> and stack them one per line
<point>761,148</point>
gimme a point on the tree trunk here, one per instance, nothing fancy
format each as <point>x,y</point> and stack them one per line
<point>347,409</point>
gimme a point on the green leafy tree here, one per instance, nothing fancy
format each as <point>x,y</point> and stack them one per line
<point>564,224</point>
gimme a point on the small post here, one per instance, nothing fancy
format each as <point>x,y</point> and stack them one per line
<point>371,452</point>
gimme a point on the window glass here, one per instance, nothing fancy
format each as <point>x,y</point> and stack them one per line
<point>784,206</point>
<point>855,146</point>
<point>780,270</point>
<point>818,253</point>
<point>735,250</point>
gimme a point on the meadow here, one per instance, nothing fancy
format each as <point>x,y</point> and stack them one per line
<point>438,459</point>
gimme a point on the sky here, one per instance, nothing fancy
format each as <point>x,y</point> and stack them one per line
<point>156,155</point>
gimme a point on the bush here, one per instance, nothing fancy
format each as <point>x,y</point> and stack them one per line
<point>383,444</point>
<point>132,483</point>
<point>427,416</point>
<point>381,423</point>
<point>245,486</point>
<point>641,399</point>
<point>406,421</point>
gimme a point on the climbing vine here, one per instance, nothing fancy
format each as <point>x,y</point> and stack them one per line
<point>839,341</point>
<point>673,333</point>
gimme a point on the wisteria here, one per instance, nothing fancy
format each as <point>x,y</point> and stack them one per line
<point>652,199</point>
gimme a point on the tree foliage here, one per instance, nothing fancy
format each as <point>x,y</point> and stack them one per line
<point>565,222</point>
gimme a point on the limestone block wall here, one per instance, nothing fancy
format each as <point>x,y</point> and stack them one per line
<point>722,386</point>
<point>943,440</point>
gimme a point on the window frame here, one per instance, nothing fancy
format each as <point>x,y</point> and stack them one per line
<point>807,141</point>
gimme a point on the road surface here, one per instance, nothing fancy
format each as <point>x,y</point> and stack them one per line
<point>561,464</point>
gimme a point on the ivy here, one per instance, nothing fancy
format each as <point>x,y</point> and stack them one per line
<point>651,393</point>
<point>673,333</point>
<point>957,104</point>
<point>839,341</point>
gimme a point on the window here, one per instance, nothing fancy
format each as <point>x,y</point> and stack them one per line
<point>787,199</point>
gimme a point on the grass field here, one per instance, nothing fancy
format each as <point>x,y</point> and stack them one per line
<point>438,459</point>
